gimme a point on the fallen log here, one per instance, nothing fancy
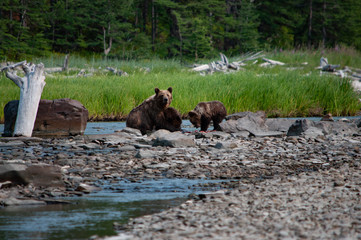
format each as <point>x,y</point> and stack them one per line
<point>326,67</point>
<point>117,72</point>
<point>273,62</point>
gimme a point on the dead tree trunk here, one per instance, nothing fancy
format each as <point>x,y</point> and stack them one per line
<point>107,50</point>
<point>31,87</point>
<point>66,63</point>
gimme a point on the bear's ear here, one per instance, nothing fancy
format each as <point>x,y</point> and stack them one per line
<point>156,90</point>
<point>192,114</point>
<point>170,89</point>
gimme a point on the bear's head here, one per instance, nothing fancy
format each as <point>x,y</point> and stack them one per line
<point>163,97</point>
<point>195,118</point>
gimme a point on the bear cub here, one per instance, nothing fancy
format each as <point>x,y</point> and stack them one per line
<point>205,112</point>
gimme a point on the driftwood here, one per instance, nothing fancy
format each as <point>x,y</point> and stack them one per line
<point>117,72</point>
<point>65,66</point>
<point>273,62</point>
<point>325,66</point>
<point>223,65</point>
<point>31,87</point>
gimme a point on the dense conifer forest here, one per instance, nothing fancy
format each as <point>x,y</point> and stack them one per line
<point>135,29</point>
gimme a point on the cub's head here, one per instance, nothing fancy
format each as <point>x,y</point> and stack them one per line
<point>163,97</point>
<point>195,118</point>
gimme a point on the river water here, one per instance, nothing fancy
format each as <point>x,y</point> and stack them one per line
<point>94,214</point>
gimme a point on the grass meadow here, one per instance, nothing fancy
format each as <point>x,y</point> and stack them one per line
<point>294,90</point>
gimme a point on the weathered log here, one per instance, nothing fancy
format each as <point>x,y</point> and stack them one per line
<point>53,70</point>
<point>224,59</point>
<point>31,87</point>
<point>325,66</point>
<point>249,57</point>
<point>117,72</point>
<point>204,67</point>
<point>273,62</point>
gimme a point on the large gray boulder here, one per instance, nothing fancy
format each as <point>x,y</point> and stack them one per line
<point>308,128</point>
<point>59,117</point>
<point>254,123</point>
<point>172,139</point>
<point>40,175</point>
<point>279,124</point>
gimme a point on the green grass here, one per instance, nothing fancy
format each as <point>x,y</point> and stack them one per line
<point>279,92</point>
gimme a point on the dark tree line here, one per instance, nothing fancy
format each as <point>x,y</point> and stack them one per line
<point>169,28</point>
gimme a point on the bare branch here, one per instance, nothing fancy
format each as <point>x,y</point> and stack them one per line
<point>15,78</point>
<point>13,65</point>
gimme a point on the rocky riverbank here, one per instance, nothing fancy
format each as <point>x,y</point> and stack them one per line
<point>297,186</point>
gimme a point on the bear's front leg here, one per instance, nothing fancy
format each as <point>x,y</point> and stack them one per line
<point>205,123</point>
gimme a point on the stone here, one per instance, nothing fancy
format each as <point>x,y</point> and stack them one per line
<point>145,154</point>
<point>340,128</point>
<point>19,202</point>
<point>337,128</point>
<point>59,117</point>
<point>259,114</point>
<point>225,145</point>
<point>10,172</point>
<point>299,126</point>
<point>173,139</point>
<point>86,188</point>
<point>132,131</point>
<point>37,174</point>
<point>313,132</point>
<point>254,123</point>
<point>279,124</point>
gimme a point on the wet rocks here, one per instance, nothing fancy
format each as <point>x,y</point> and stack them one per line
<point>283,187</point>
<point>313,129</point>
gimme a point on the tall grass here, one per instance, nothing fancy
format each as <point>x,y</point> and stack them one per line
<point>279,92</point>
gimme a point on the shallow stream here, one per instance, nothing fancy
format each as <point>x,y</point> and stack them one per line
<point>94,214</point>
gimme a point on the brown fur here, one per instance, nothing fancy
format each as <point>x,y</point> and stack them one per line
<point>144,117</point>
<point>205,112</point>
<point>170,120</point>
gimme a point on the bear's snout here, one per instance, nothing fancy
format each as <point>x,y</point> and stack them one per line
<point>165,100</point>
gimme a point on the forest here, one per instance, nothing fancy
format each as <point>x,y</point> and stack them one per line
<point>184,29</point>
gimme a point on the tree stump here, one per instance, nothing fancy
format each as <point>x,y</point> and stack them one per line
<point>31,87</point>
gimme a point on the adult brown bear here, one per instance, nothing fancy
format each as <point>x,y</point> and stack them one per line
<point>146,116</point>
<point>205,112</point>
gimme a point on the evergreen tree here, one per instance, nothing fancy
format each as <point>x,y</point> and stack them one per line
<point>279,21</point>
<point>170,28</point>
